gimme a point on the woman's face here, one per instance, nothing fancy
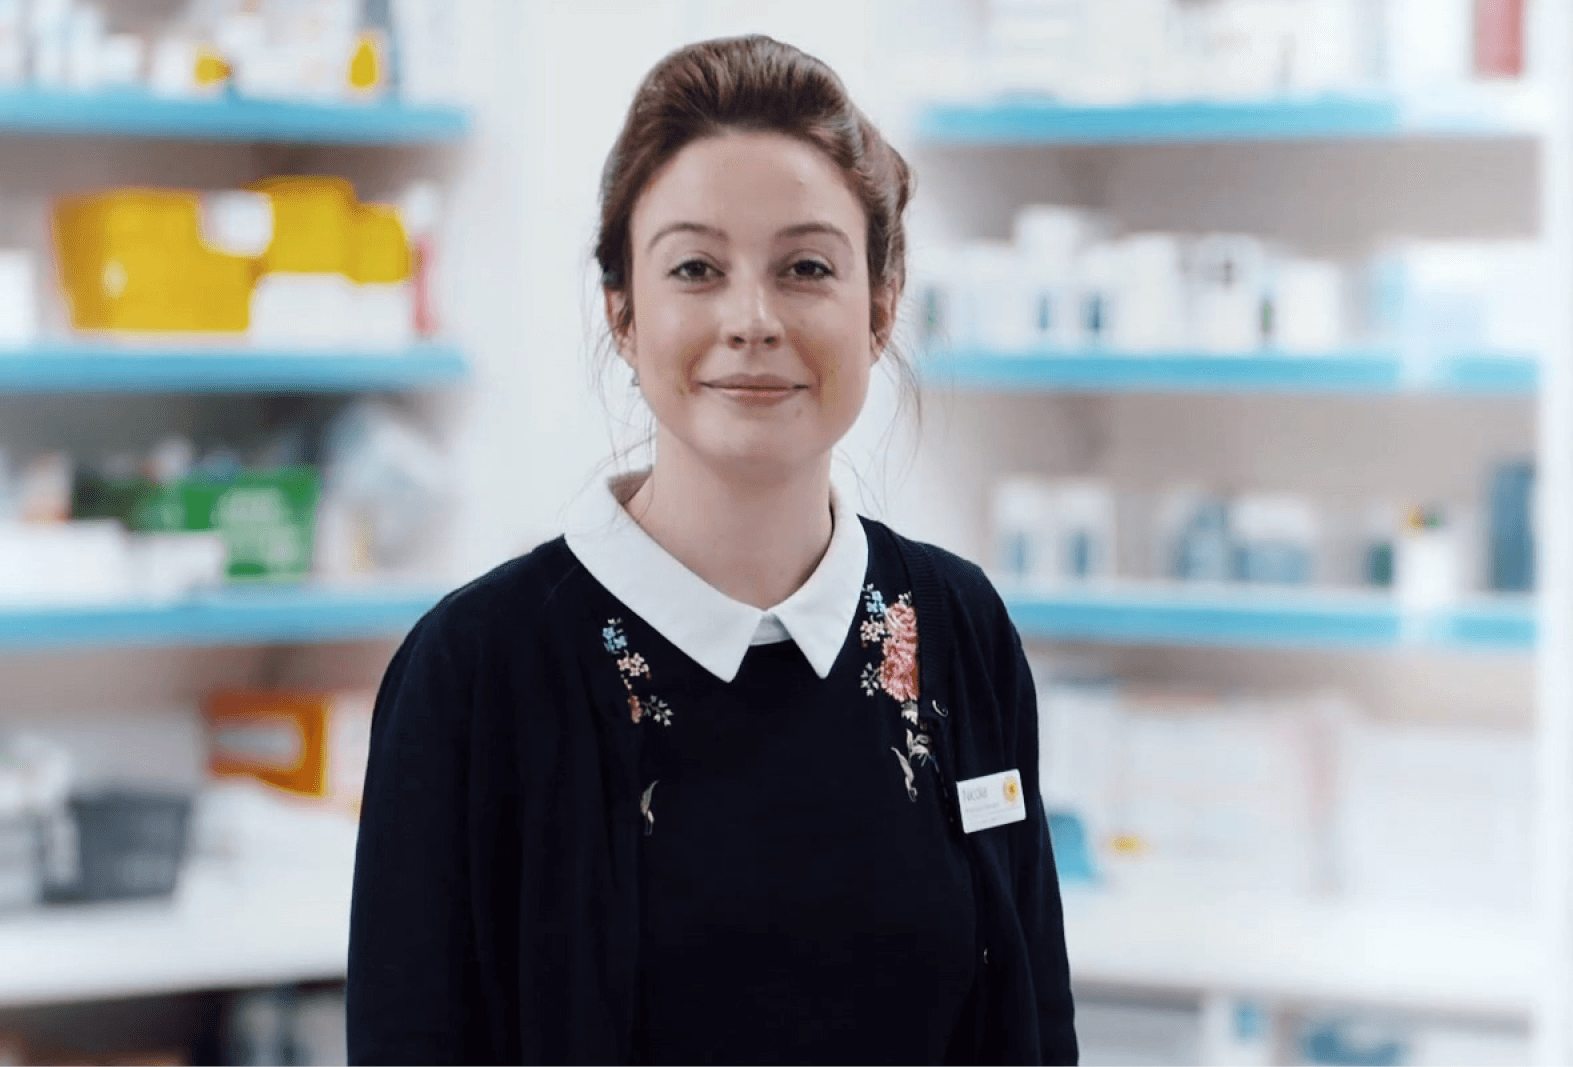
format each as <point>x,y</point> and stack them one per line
<point>751,330</point>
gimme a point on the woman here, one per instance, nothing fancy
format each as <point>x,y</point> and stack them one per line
<point>728,774</point>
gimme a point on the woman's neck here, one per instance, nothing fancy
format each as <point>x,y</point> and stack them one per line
<point>755,540</point>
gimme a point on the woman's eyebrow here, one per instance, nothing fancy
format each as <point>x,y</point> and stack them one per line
<point>826,228</point>
<point>684,227</point>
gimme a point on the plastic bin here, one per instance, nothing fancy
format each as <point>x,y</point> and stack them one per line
<point>314,224</point>
<point>129,844</point>
<point>381,251</point>
<point>134,259</point>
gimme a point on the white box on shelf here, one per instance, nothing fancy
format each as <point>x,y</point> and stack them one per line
<point>63,563</point>
<point>308,310</point>
<point>13,43</point>
<point>1144,276</point>
<point>993,305</point>
<point>1053,530</point>
<point>169,566</point>
<point>1427,569</point>
<point>1308,305</point>
<point>428,52</point>
<point>18,299</point>
<point>1432,816</point>
<point>1228,283</point>
<point>1219,798</point>
<point>384,316</point>
<point>1429,44</point>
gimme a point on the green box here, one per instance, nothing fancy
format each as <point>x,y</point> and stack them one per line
<point>266,518</point>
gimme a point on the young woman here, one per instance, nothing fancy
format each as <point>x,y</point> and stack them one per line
<point>728,774</point>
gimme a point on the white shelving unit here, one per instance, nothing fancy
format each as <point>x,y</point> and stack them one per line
<point>1508,967</point>
<point>1553,1007</point>
<point>244,924</point>
<point>1478,964</point>
<point>226,928</point>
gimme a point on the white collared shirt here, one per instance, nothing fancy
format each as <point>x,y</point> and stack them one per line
<point>708,626</point>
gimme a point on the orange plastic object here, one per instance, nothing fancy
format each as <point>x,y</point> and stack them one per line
<point>314,224</point>
<point>134,259</point>
<point>305,743</point>
<point>381,250</point>
<point>279,738</point>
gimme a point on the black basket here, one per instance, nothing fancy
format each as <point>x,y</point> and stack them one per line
<point>129,844</point>
<point>21,862</point>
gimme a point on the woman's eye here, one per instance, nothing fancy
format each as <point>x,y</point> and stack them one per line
<point>693,270</point>
<point>810,269</point>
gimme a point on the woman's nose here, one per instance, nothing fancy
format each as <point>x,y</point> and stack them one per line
<point>753,320</point>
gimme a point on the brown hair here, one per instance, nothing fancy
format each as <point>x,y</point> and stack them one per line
<point>760,84</point>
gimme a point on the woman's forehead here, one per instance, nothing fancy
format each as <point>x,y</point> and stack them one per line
<point>748,186</point>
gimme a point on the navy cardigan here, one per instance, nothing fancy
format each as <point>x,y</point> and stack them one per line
<point>496,905</point>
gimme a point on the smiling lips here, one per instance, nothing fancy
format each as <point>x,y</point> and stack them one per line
<point>756,390</point>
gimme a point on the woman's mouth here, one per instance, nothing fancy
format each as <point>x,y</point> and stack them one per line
<point>755,390</point>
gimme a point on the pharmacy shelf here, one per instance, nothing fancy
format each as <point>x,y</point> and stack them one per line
<point>227,118</point>
<point>1375,370</point>
<point>1473,962</point>
<point>239,615</point>
<point>86,366</point>
<point>1257,616</point>
<point>222,930</point>
<point>1030,120</point>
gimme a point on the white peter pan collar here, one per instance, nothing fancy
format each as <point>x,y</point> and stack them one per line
<point>708,626</point>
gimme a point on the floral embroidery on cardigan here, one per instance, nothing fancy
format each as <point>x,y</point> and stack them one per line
<point>894,628</point>
<point>631,665</point>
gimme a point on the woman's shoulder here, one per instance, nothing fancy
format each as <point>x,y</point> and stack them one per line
<point>952,589</point>
<point>509,601</point>
<point>954,575</point>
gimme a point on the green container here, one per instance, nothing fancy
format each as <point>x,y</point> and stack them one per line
<point>266,518</point>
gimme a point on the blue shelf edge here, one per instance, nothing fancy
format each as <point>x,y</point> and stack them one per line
<point>130,113</point>
<point>1217,618</point>
<point>107,367</point>
<point>1374,370</point>
<point>237,616</point>
<point>1028,120</point>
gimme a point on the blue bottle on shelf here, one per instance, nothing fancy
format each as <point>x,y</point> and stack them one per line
<point>1511,509</point>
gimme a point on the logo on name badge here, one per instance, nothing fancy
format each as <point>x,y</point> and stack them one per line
<point>992,800</point>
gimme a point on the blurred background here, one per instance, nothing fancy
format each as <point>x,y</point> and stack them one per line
<point>1244,352</point>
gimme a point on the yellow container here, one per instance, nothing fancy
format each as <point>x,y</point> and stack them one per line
<point>381,250</point>
<point>314,225</point>
<point>134,259</point>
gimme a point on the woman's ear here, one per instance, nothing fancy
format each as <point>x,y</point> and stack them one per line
<point>617,312</point>
<point>882,318</point>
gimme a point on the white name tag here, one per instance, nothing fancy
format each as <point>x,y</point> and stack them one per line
<point>993,800</point>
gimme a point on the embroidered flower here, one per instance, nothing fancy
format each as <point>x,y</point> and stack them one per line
<point>902,622</point>
<point>631,665</point>
<point>898,674</point>
<point>870,680</point>
<point>658,710</point>
<point>612,637</point>
<point>894,628</point>
<point>874,601</point>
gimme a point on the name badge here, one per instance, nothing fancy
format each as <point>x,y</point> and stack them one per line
<point>993,800</point>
